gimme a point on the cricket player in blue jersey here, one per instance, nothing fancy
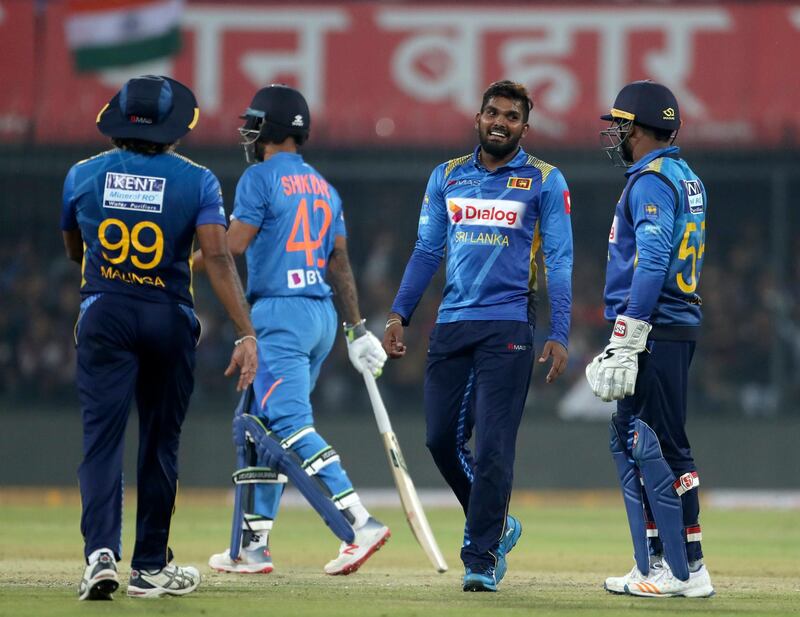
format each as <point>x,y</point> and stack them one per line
<point>288,221</point>
<point>129,217</point>
<point>488,212</point>
<point>655,255</point>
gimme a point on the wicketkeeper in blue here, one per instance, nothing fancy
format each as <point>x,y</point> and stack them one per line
<point>487,213</point>
<point>288,222</point>
<point>655,255</point>
<point>129,217</point>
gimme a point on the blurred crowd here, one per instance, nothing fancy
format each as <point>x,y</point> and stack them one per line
<point>734,371</point>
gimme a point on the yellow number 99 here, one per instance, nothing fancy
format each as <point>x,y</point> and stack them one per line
<point>123,245</point>
<point>157,247</point>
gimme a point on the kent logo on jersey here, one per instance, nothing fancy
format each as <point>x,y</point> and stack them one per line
<point>130,192</point>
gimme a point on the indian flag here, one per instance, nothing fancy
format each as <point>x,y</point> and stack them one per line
<point>108,33</point>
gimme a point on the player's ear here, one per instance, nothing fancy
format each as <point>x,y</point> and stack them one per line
<point>525,128</point>
<point>477,120</point>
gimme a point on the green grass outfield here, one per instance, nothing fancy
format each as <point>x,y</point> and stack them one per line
<point>567,548</point>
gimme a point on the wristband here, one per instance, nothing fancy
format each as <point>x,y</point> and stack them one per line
<point>393,321</point>
<point>239,341</point>
<point>352,331</point>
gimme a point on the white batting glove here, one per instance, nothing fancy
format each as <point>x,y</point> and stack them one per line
<point>365,350</point>
<point>612,374</point>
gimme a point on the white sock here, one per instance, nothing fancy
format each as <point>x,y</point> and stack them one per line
<point>96,555</point>
<point>360,514</point>
<point>259,539</point>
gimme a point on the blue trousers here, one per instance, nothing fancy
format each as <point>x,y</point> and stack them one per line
<point>295,335</point>
<point>478,373</point>
<point>660,401</point>
<point>130,348</point>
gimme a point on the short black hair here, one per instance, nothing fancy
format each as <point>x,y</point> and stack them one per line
<point>510,90</point>
<point>140,146</point>
<point>664,135</point>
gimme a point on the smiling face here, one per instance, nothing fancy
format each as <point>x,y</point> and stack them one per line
<point>501,125</point>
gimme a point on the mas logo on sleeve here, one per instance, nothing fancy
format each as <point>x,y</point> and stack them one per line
<point>130,192</point>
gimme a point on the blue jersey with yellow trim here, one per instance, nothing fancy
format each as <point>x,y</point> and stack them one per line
<point>657,243</point>
<point>137,215</point>
<point>490,225</point>
<point>298,216</point>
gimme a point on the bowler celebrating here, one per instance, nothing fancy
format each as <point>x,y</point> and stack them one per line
<point>489,212</point>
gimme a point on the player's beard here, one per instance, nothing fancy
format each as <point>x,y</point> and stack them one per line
<point>626,151</point>
<point>498,150</point>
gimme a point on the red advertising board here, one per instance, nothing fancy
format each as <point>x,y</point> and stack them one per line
<point>412,74</point>
<point>17,69</point>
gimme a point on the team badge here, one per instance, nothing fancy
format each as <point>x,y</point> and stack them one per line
<point>519,183</point>
<point>651,211</point>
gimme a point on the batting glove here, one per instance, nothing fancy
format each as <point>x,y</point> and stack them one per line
<point>365,350</point>
<point>612,374</point>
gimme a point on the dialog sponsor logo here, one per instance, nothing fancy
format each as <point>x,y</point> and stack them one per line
<point>130,192</point>
<point>486,212</point>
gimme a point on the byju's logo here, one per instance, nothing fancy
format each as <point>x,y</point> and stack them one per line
<point>296,279</point>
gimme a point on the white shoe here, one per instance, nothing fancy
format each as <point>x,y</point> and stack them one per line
<point>616,584</point>
<point>663,584</point>
<point>369,539</point>
<point>251,561</point>
<point>168,581</point>
<point>100,578</point>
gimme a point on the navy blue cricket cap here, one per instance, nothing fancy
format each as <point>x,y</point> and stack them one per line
<point>646,103</point>
<point>279,105</point>
<point>151,108</point>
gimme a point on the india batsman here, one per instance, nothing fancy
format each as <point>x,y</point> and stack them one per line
<point>288,221</point>
<point>489,212</point>
<point>655,256</point>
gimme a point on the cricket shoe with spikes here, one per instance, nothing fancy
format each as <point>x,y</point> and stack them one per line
<point>480,581</point>
<point>663,584</point>
<point>369,538</point>
<point>99,578</point>
<point>616,584</point>
<point>254,559</point>
<point>168,581</point>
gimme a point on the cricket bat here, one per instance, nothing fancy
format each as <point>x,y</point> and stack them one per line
<point>415,515</point>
